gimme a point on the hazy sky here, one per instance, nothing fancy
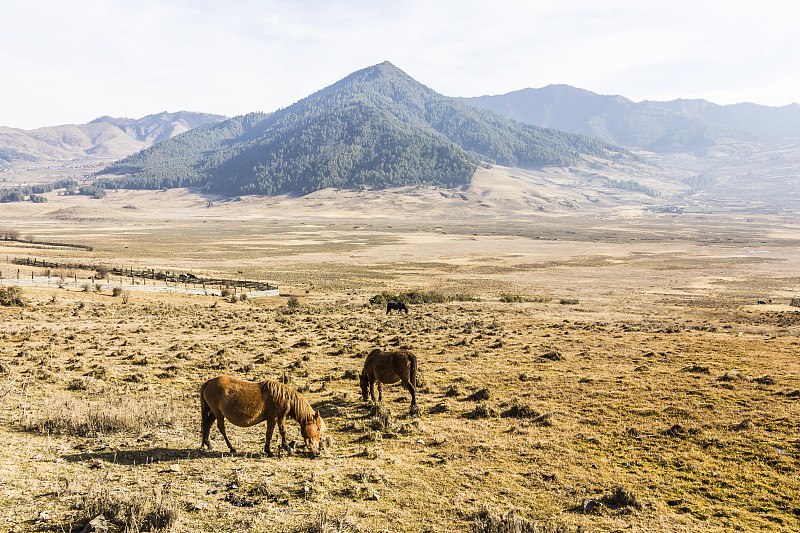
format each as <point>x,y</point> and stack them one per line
<point>70,61</point>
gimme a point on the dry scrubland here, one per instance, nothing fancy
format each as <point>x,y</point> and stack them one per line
<point>636,387</point>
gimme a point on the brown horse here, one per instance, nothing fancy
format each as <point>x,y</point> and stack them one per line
<point>389,367</point>
<point>246,403</point>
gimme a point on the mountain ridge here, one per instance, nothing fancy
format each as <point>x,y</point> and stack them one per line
<point>376,127</point>
<point>102,138</point>
<point>682,125</point>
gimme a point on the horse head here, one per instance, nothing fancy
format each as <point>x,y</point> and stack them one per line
<point>312,431</point>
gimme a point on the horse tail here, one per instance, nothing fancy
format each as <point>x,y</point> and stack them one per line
<point>207,417</point>
<point>413,376</point>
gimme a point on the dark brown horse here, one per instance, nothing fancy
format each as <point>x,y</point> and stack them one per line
<point>396,306</point>
<point>246,403</point>
<point>389,367</point>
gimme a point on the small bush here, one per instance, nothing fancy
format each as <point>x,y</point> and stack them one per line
<point>293,302</point>
<point>116,291</point>
<point>141,511</point>
<point>621,497</point>
<point>488,522</point>
<point>766,380</point>
<point>568,301</point>
<point>484,410</point>
<point>512,298</point>
<point>382,298</point>
<point>525,411</point>
<point>11,296</point>
<point>453,391</point>
<point>381,417</point>
<point>480,395</point>
<point>420,297</point>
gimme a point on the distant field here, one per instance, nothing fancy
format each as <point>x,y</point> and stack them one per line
<point>631,382</point>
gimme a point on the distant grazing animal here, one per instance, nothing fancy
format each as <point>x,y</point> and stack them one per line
<point>247,403</point>
<point>389,367</point>
<point>397,306</point>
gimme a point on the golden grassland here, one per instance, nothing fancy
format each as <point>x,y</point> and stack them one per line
<point>636,384</point>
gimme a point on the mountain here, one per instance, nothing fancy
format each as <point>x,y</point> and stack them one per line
<point>103,138</point>
<point>377,127</point>
<point>675,126</point>
<point>153,129</point>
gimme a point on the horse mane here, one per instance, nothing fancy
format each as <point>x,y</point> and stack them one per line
<point>299,408</point>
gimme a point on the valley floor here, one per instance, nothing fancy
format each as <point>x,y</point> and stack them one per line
<point>586,372</point>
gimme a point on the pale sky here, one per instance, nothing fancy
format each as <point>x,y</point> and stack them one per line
<point>71,61</point>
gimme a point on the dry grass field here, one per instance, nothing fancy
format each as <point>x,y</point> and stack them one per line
<point>587,372</point>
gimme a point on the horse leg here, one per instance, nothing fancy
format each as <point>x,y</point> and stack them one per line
<point>282,431</point>
<point>205,432</point>
<point>413,390</point>
<point>380,392</point>
<point>372,390</point>
<point>221,426</point>
<point>270,429</point>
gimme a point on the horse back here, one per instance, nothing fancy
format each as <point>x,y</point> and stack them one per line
<point>238,400</point>
<point>390,367</point>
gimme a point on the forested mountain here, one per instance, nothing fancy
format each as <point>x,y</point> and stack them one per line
<point>103,138</point>
<point>377,127</point>
<point>678,125</point>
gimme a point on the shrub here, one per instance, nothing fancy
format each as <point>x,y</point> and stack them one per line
<point>116,291</point>
<point>11,296</point>
<point>420,297</point>
<point>140,511</point>
<point>568,301</point>
<point>483,410</point>
<point>293,302</point>
<point>488,522</point>
<point>382,298</point>
<point>328,522</point>
<point>381,417</point>
<point>480,395</point>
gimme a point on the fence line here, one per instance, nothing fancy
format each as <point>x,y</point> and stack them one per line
<point>55,281</point>
<point>138,279</point>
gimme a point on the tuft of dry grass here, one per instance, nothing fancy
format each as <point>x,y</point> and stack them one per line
<point>137,512</point>
<point>68,416</point>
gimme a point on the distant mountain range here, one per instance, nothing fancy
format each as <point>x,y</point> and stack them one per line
<point>675,126</point>
<point>378,127</point>
<point>103,138</point>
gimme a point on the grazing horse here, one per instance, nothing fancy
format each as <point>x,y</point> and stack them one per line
<point>397,306</point>
<point>246,403</point>
<point>389,367</point>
